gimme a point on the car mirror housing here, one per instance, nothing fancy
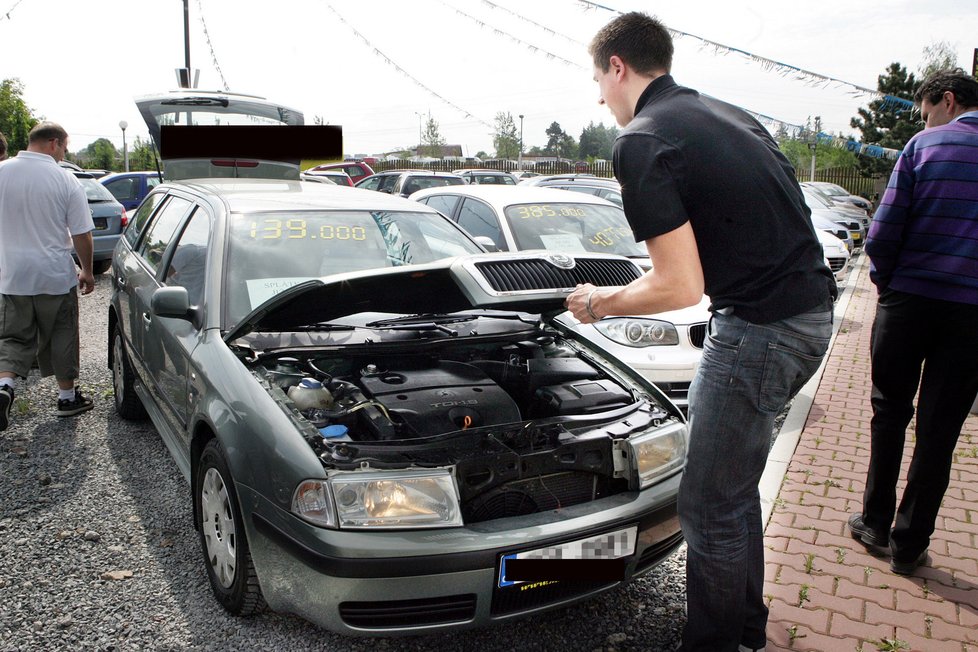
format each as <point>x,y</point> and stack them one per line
<point>486,243</point>
<point>172,302</point>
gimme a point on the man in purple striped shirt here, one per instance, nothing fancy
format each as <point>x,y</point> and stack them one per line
<point>923,250</point>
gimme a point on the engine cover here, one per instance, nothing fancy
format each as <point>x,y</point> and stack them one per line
<point>446,397</point>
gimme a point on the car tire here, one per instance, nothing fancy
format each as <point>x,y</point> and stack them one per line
<point>101,266</point>
<point>223,540</point>
<point>127,403</point>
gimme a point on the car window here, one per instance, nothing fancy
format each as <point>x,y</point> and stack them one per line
<point>95,191</point>
<point>480,220</point>
<point>123,189</point>
<point>186,268</point>
<point>371,183</point>
<point>160,231</point>
<point>141,216</point>
<point>388,181</point>
<point>354,171</point>
<point>152,181</point>
<point>572,228</point>
<point>444,204</point>
<point>414,184</point>
<point>611,195</point>
<point>272,251</point>
<point>494,179</point>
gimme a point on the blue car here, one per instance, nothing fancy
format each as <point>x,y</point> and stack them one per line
<point>109,217</point>
<point>129,188</point>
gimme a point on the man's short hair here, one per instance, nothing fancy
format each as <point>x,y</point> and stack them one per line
<point>956,80</point>
<point>3,146</point>
<point>639,39</point>
<point>47,130</point>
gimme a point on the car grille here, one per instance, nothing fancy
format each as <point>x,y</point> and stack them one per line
<point>532,495</point>
<point>404,613</point>
<point>676,391</point>
<point>836,264</point>
<point>538,274</point>
<point>697,335</point>
<point>657,552</point>
<point>514,599</point>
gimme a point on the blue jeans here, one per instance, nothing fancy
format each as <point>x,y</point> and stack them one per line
<point>747,375</point>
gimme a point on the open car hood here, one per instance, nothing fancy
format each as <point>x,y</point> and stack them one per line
<point>523,282</point>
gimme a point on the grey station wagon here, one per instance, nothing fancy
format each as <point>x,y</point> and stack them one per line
<point>383,428</point>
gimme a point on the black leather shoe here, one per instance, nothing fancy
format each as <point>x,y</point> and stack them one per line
<point>864,535</point>
<point>908,567</point>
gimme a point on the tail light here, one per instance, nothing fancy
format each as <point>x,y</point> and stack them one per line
<point>124,220</point>
<point>233,163</point>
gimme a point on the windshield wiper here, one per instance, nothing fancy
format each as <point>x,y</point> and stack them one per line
<point>323,327</point>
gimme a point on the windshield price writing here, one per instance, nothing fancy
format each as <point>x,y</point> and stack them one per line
<point>542,210</point>
<point>272,228</point>
<point>608,237</point>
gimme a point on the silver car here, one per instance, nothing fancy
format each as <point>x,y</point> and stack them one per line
<point>665,348</point>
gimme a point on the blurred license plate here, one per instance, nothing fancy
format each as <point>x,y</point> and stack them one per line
<point>600,554</point>
<point>100,224</point>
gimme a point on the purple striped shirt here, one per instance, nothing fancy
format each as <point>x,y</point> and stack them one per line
<point>924,237</point>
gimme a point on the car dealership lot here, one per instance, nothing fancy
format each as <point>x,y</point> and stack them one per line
<point>99,550</point>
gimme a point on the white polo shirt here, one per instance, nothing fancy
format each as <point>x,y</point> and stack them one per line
<point>41,206</point>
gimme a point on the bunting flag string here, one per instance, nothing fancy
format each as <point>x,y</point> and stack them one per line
<point>777,66</point>
<point>401,70</point>
<point>207,37</point>
<point>503,33</point>
<point>8,12</point>
<point>548,30</point>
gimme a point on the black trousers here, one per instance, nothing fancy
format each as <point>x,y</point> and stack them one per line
<point>932,343</point>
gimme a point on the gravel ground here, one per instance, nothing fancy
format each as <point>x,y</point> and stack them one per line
<point>98,550</point>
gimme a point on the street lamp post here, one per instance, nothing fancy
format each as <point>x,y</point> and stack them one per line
<point>519,163</point>
<point>125,150</point>
<point>420,119</point>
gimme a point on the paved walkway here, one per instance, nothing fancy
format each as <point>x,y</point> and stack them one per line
<point>825,591</point>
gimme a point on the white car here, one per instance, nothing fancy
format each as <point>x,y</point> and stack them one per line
<point>664,348</point>
<point>836,255</point>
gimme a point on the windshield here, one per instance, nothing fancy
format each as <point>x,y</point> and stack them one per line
<point>573,228</point>
<point>815,200</point>
<point>833,191</point>
<point>271,251</point>
<point>95,191</point>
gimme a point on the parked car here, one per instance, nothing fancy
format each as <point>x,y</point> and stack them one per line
<point>847,209</point>
<point>665,348</point>
<point>365,508</point>
<point>836,255</point>
<point>839,194</point>
<point>608,189</point>
<point>384,429</point>
<point>823,222</point>
<point>406,182</point>
<point>339,177</point>
<point>826,209</point>
<point>477,177</point>
<point>109,216</point>
<point>356,170</point>
<point>130,188</point>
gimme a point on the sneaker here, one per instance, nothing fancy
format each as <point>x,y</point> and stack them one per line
<point>69,407</point>
<point>6,400</point>
<point>908,567</point>
<point>864,535</point>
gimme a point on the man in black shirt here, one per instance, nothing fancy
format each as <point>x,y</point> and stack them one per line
<point>717,205</point>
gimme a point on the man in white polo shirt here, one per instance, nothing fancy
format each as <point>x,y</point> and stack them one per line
<point>43,213</point>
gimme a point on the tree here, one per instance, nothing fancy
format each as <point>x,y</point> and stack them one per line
<point>937,56</point>
<point>101,154</point>
<point>505,138</point>
<point>887,123</point>
<point>16,118</point>
<point>559,143</point>
<point>431,139</point>
<point>142,156</point>
<point>597,141</point>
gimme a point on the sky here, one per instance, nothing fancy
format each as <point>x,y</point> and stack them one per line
<point>381,68</point>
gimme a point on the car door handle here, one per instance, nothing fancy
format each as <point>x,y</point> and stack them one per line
<point>120,282</point>
<point>147,318</point>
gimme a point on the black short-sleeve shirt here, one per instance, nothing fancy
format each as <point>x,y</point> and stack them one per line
<point>689,158</point>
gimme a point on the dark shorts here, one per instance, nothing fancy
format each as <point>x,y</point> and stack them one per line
<point>42,327</point>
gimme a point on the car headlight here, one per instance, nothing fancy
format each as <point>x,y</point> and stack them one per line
<point>658,453</point>
<point>405,499</point>
<point>633,331</point>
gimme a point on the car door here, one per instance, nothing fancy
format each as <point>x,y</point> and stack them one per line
<point>185,266</point>
<point>147,347</point>
<point>444,204</point>
<point>127,190</point>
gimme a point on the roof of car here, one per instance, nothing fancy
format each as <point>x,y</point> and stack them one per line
<point>519,194</point>
<point>246,195</point>
<point>116,175</point>
<point>582,180</point>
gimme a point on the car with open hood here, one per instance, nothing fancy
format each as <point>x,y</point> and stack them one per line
<point>385,429</point>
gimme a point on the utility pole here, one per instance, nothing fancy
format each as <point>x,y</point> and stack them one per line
<point>519,164</point>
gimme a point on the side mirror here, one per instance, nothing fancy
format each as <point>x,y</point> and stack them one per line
<point>173,302</point>
<point>487,243</point>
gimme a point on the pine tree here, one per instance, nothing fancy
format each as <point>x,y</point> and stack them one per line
<point>887,123</point>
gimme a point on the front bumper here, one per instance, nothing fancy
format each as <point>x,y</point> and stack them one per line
<point>411,582</point>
